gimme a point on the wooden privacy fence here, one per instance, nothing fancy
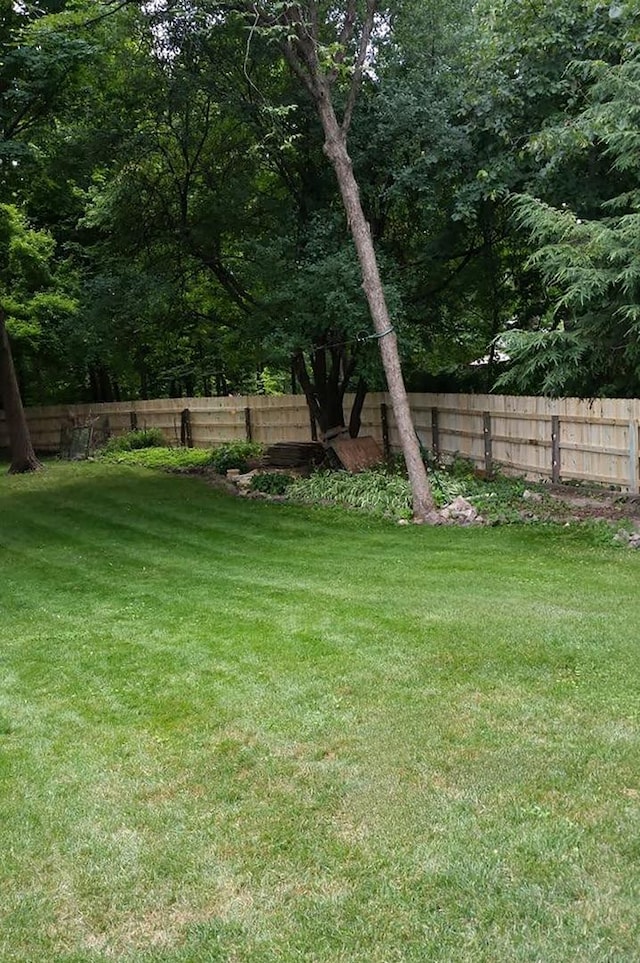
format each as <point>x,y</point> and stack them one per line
<point>558,439</point>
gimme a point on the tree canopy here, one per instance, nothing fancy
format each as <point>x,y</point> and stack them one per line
<point>168,159</point>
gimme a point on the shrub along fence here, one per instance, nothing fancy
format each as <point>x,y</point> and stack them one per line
<point>559,439</point>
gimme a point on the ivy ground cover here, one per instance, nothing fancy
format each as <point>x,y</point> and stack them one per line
<point>238,731</point>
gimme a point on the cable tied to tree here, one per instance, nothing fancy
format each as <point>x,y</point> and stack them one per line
<point>359,339</point>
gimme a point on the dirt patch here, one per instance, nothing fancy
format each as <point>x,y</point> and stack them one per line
<point>575,504</point>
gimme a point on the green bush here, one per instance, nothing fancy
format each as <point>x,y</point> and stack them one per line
<point>234,454</point>
<point>271,483</point>
<point>136,440</point>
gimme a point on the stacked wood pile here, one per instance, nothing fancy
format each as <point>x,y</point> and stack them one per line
<point>295,454</point>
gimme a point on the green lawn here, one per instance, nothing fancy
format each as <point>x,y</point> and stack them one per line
<point>237,731</point>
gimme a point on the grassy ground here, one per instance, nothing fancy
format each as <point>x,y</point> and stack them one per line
<point>237,731</point>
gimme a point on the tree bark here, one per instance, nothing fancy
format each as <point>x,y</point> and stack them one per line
<point>325,393</point>
<point>336,150</point>
<point>23,457</point>
<point>355,419</point>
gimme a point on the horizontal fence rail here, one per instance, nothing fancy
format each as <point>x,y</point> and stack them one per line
<point>557,439</point>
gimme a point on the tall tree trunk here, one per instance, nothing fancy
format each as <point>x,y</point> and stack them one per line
<point>336,150</point>
<point>331,378</point>
<point>23,457</point>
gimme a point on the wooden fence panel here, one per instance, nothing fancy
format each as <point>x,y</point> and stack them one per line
<point>282,419</point>
<point>595,440</point>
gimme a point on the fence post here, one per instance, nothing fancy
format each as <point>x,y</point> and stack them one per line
<point>435,433</point>
<point>186,438</point>
<point>634,469</point>
<point>384,421</point>
<point>248,430</point>
<point>555,449</point>
<point>488,443</point>
<point>133,418</point>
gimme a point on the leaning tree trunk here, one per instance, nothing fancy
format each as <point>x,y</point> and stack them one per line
<point>336,150</point>
<point>23,457</point>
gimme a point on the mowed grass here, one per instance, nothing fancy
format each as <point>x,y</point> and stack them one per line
<point>238,731</point>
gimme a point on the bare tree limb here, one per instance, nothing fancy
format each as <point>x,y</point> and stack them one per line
<point>294,62</point>
<point>114,7</point>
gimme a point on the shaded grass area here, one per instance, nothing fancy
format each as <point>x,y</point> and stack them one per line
<point>240,731</point>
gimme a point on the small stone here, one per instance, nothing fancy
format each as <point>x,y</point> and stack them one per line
<point>529,496</point>
<point>634,541</point>
<point>403,521</point>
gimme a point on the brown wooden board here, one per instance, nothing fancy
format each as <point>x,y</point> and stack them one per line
<point>295,454</point>
<point>356,454</point>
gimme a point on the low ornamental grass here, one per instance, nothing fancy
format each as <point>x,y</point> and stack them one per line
<point>239,731</point>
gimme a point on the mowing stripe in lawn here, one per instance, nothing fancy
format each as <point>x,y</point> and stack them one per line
<point>240,731</point>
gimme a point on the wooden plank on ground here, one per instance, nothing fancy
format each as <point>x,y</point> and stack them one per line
<point>356,454</point>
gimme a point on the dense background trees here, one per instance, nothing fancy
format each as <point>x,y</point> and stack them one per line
<point>196,240</point>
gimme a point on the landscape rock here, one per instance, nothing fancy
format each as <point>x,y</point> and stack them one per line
<point>244,481</point>
<point>433,518</point>
<point>529,496</point>
<point>634,541</point>
<point>461,511</point>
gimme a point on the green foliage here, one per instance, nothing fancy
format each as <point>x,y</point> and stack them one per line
<point>170,459</point>
<point>36,295</point>
<point>199,228</point>
<point>376,491</point>
<point>550,362</point>
<point>134,440</point>
<point>271,483</point>
<point>235,454</point>
<point>588,253</point>
<point>386,492</point>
